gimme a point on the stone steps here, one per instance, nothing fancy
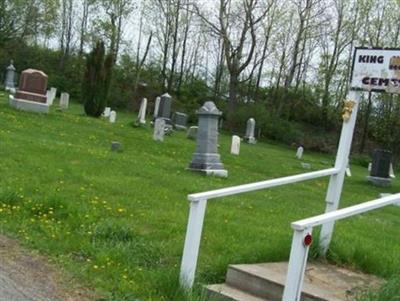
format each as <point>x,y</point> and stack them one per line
<point>265,281</point>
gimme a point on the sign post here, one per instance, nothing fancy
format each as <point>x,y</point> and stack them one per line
<point>374,69</point>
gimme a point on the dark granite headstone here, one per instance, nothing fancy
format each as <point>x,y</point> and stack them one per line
<point>180,121</point>
<point>164,110</point>
<point>381,163</point>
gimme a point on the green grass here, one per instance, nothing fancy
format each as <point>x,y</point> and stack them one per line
<point>117,221</point>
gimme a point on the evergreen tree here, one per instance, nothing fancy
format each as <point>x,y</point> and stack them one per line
<point>97,80</point>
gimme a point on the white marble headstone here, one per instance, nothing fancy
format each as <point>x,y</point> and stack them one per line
<point>391,172</point>
<point>156,106</point>
<point>299,153</point>
<point>107,111</point>
<point>369,166</point>
<point>235,146</point>
<point>159,126</point>
<point>64,100</point>
<point>113,116</point>
<point>142,111</point>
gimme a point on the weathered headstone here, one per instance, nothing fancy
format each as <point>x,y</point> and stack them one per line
<point>142,111</point>
<point>51,95</point>
<point>391,172</point>
<point>9,82</point>
<point>306,165</point>
<point>192,132</point>
<point>206,157</point>
<point>31,93</point>
<point>113,116</point>
<point>369,166</point>
<point>64,100</point>
<point>235,146</point>
<point>164,110</point>
<point>299,152</point>
<point>115,146</point>
<point>380,169</point>
<point>159,129</point>
<point>250,128</point>
<point>180,121</point>
<point>107,111</point>
<point>156,107</point>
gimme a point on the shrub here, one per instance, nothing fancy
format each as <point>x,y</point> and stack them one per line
<point>97,80</point>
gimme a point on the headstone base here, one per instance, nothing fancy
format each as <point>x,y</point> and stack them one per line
<point>27,105</point>
<point>206,162</point>
<point>250,140</point>
<point>377,181</point>
<point>221,173</point>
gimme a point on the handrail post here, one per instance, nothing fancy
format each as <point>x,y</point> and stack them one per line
<point>297,265</point>
<point>336,181</point>
<point>192,243</point>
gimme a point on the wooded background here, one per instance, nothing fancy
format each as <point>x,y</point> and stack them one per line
<point>284,62</point>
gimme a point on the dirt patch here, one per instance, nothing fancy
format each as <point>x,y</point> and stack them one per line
<point>25,276</point>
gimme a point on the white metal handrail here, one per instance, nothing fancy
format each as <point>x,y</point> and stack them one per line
<point>261,185</point>
<point>302,240</point>
<point>198,202</point>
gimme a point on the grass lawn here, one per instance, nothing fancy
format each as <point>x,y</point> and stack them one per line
<point>117,221</point>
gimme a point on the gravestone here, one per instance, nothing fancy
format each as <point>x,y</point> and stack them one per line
<point>206,158</point>
<point>250,128</point>
<point>115,146</point>
<point>192,132</point>
<point>299,153</point>
<point>180,121</point>
<point>164,110</point>
<point>142,111</point>
<point>107,111</point>
<point>32,86</point>
<point>380,168</point>
<point>305,165</point>
<point>113,117</point>
<point>51,95</point>
<point>156,107</point>
<point>159,129</point>
<point>235,146</point>
<point>64,100</point>
<point>31,93</point>
<point>9,82</point>
<point>391,172</point>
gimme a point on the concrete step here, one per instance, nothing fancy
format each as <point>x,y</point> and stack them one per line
<point>322,282</point>
<point>223,292</point>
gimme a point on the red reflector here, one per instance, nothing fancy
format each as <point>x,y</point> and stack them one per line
<point>308,240</point>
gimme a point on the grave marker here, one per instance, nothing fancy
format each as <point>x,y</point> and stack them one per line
<point>235,146</point>
<point>31,94</point>
<point>250,128</point>
<point>113,117</point>
<point>64,100</point>
<point>9,82</point>
<point>206,158</point>
<point>159,129</point>
<point>299,152</point>
<point>142,111</point>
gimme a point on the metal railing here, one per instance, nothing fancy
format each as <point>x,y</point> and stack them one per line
<point>198,202</point>
<point>302,240</point>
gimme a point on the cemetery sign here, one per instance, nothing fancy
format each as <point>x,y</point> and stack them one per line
<point>376,69</point>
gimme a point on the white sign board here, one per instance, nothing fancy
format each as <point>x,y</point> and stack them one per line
<point>376,70</point>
